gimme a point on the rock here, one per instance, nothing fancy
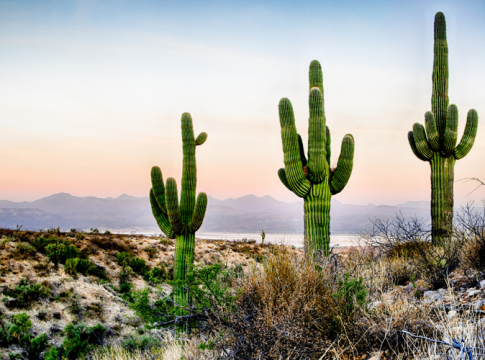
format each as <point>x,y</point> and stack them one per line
<point>430,296</point>
<point>477,305</point>
<point>472,293</point>
<point>482,284</point>
<point>110,290</point>
<point>373,305</point>
<point>451,314</point>
<point>442,291</point>
<point>10,302</point>
<point>99,266</point>
<point>55,329</point>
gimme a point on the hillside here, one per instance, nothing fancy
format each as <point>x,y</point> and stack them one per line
<point>55,295</point>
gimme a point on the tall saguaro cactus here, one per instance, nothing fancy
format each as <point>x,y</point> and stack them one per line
<point>180,222</point>
<point>312,179</point>
<point>437,144</point>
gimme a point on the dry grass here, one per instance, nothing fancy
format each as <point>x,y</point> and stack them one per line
<point>172,349</point>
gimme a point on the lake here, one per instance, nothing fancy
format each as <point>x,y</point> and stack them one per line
<point>285,239</point>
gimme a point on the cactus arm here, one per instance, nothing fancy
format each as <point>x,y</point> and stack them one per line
<point>302,151</point>
<point>414,148</point>
<point>344,166</point>
<point>469,135</point>
<point>327,142</point>
<point>316,76</point>
<point>421,142</point>
<point>173,209</point>
<point>199,212</point>
<point>284,180</point>
<point>189,173</point>
<point>158,188</point>
<point>293,166</point>
<point>439,99</point>
<point>432,131</point>
<point>201,138</point>
<point>161,217</point>
<point>316,139</point>
<point>451,132</point>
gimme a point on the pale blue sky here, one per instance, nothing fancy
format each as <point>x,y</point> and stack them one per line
<point>91,92</point>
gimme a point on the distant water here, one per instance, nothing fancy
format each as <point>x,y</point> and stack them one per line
<point>285,239</point>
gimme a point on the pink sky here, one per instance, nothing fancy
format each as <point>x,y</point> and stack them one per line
<point>91,98</point>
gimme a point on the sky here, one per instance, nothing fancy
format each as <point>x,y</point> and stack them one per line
<point>92,92</point>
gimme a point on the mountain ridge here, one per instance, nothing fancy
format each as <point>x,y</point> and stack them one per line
<point>249,213</point>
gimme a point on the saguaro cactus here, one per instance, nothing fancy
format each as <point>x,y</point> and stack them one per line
<point>437,144</point>
<point>180,222</point>
<point>312,179</point>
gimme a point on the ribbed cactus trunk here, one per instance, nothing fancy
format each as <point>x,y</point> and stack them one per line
<point>437,144</point>
<point>442,178</point>
<point>184,257</point>
<point>317,218</point>
<point>180,222</point>
<point>312,179</point>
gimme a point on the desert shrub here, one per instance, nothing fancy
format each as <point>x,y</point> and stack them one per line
<point>109,243</point>
<point>211,294</point>
<point>17,332</point>
<point>166,241</point>
<point>24,250</point>
<point>293,308</point>
<point>352,292</point>
<point>151,251</point>
<point>122,258</point>
<point>135,263</point>
<point>62,251</point>
<point>157,274</point>
<point>138,265</point>
<point>411,239</point>
<point>87,267</point>
<point>25,293</point>
<point>79,339</point>
<point>140,342</point>
<point>471,226</point>
<point>80,236</point>
<point>71,265</point>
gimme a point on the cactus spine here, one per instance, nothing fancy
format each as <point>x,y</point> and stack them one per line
<point>180,222</point>
<point>437,144</point>
<point>313,180</point>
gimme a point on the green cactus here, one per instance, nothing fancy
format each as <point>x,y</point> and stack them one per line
<point>314,180</point>
<point>263,235</point>
<point>437,144</point>
<point>180,222</point>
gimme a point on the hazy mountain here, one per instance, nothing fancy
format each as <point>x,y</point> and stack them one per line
<point>32,218</point>
<point>245,214</point>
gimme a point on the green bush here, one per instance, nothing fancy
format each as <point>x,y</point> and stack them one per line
<point>140,342</point>
<point>62,251</point>
<point>157,275</point>
<point>87,267</point>
<point>17,332</point>
<point>209,287</point>
<point>71,265</point>
<point>78,341</point>
<point>139,266</point>
<point>26,293</point>
<point>353,292</point>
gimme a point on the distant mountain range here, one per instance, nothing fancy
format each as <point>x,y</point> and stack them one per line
<point>242,215</point>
